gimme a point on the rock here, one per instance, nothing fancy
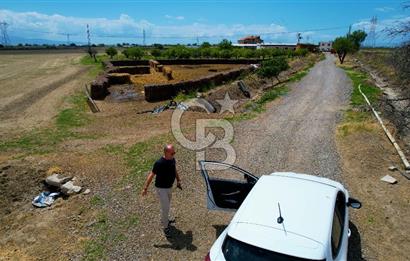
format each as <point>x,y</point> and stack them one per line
<point>389,179</point>
<point>87,191</point>
<point>392,168</point>
<point>69,188</point>
<point>57,180</point>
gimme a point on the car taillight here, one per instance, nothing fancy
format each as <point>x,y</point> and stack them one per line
<point>207,258</point>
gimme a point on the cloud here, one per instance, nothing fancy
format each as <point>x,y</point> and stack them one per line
<point>384,9</point>
<point>179,17</point>
<point>56,26</point>
<point>381,25</point>
<point>36,24</point>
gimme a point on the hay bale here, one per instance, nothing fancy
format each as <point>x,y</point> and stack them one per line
<point>99,87</point>
<point>119,78</point>
<point>167,72</point>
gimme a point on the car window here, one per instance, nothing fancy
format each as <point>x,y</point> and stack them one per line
<point>338,223</point>
<point>235,250</point>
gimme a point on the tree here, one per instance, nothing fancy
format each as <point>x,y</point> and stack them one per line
<point>125,53</point>
<point>135,53</point>
<point>156,52</point>
<point>93,53</point>
<point>111,51</point>
<point>342,46</point>
<point>273,67</point>
<point>225,45</point>
<point>205,45</point>
<point>348,44</point>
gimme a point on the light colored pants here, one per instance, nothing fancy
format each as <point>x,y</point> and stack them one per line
<point>164,195</point>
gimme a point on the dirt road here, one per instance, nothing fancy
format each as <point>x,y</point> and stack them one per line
<point>297,132</point>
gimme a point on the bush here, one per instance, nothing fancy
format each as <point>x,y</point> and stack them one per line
<point>178,52</point>
<point>225,44</point>
<point>111,51</point>
<point>156,52</point>
<point>301,52</point>
<point>225,53</point>
<point>135,53</point>
<point>273,67</point>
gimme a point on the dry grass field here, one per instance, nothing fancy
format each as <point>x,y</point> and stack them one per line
<point>32,86</point>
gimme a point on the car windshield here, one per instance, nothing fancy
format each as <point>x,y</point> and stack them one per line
<point>236,250</point>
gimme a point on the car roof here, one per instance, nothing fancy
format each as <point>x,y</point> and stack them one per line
<point>307,205</point>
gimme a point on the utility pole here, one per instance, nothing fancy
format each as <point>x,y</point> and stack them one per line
<point>372,33</point>
<point>143,37</point>
<point>299,36</point>
<point>89,40</point>
<point>4,36</point>
<point>68,39</point>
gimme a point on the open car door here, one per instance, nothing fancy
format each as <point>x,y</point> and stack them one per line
<point>227,185</point>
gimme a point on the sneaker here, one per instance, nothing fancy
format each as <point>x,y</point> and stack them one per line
<point>171,221</point>
<point>167,232</point>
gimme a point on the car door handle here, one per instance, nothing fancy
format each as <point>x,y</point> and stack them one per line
<point>231,193</point>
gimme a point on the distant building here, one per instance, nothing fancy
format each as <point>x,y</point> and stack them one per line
<point>286,46</point>
<point>251,39</point>
<point>325,46</point>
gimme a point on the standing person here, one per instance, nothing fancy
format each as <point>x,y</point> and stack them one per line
<point>165,173</point>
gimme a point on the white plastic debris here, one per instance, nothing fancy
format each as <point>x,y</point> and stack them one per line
<point>389,179</point>
<point>392,168</point>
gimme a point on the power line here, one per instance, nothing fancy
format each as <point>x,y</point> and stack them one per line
<point>372,33</point>
<point>4,36</point>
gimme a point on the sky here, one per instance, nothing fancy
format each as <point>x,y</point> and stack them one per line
<point>196,21</point>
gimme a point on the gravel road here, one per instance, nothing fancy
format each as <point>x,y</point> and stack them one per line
<point>297,132</point>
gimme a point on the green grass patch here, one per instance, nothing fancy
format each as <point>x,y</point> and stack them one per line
<point>96,67</point>
<point>44,140</point>
<point>184,96</point>
<point>114,149</point>
<point>298,76</point>
<point>355,119</point>
<point>269,96</point>
<point>97,201</point>
<point>253,108</point>
<point>372,92</point>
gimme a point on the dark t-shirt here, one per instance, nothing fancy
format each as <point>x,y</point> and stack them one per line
<point>165,173</point>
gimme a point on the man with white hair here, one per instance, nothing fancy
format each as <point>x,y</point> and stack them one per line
<point>165,173</point>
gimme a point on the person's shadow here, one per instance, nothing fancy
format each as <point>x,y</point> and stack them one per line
<point>179,240</point>
<point>355,244</point>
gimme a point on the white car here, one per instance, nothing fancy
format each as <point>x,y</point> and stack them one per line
<point>281,216</point>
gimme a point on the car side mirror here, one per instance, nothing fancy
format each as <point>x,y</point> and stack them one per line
<point>354,203</point>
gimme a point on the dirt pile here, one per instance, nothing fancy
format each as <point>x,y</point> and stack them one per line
<point>19,182</point>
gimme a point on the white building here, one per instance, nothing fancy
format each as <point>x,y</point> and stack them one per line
<point>325,46</point>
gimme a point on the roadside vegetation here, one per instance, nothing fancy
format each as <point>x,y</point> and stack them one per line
<point>348,44</point>
<point>224,50</point>
<point>44,140</point>
<point>358,117</point>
